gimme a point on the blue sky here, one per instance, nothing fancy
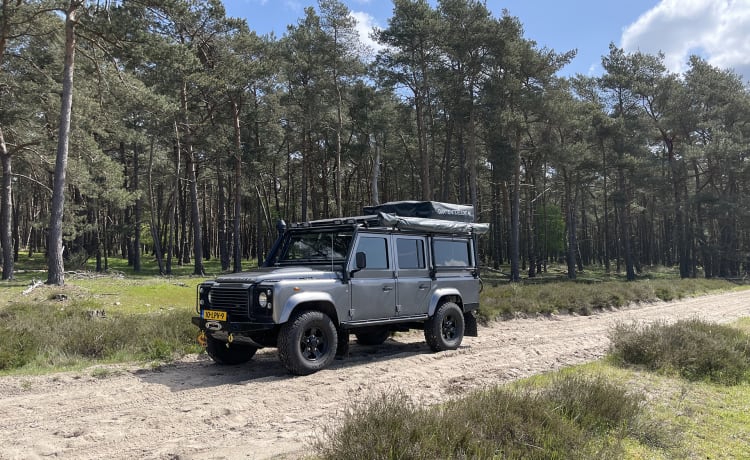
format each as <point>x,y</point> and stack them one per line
<point>718,30</point>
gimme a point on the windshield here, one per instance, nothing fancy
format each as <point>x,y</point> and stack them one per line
<point>316,246</point>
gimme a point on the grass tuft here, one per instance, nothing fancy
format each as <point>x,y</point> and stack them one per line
<point>596,404</point>
<point>693,348</point>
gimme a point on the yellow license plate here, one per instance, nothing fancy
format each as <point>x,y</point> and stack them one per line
<point>213,315</point>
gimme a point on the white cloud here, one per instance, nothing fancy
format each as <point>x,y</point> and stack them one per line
<point>365,25</point>
<point>716,30</point>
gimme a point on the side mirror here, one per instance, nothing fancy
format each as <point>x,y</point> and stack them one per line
<point>361,260</point>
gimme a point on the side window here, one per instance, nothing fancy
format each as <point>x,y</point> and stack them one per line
<point>376,250</point>
<point>410,253</point>
<point>451,253</point>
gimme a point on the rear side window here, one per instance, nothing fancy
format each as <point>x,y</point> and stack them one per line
<point>452,253</point>
<point>410,253</point>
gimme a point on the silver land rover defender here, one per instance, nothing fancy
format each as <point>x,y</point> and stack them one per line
<point>402,265</point>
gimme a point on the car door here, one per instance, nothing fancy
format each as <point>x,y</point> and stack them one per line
<point>413,283</point>
<point>374,286</point>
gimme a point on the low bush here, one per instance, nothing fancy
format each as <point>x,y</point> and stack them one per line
<point>597,405</point>
<point>572,417</point>
<point>695,349</point>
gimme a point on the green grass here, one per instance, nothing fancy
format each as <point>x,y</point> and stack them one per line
<point>706,420</point>
<point>118,290</point>
<point>138,318</point>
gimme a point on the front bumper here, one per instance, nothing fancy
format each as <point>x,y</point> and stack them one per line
<point>234,332</point>
<point>236,327</point>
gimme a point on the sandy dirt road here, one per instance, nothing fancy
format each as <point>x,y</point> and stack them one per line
<point>196,409</point>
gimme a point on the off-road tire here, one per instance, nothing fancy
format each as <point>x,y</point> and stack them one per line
<point>374,336</point>
<point>445,329</point>
<point>307,342</point>
<point>229,355</point>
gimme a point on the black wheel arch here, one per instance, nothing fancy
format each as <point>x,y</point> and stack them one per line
<point>450,298</point>
<point>322,306</point>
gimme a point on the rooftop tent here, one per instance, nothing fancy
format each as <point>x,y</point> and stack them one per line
<point>424,209</point>
<point>433,225</point>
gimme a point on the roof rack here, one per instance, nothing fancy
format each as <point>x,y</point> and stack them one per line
<point>369,221</point>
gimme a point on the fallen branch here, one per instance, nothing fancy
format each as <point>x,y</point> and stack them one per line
<point>32,287</point>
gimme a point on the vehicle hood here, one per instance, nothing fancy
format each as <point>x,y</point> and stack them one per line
<point>269,274</point>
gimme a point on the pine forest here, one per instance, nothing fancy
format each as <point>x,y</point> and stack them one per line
<point>164,129</point>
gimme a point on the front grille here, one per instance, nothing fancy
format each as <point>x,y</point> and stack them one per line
<point>234,300</point>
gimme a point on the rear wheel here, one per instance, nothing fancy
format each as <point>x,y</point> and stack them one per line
<point>307,342</point>
<point>373,336</point>
<point>227,353</point>
<point>445,329</point>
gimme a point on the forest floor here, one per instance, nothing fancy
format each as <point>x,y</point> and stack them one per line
<point>193,408</point>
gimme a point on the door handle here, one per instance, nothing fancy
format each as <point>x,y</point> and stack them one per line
<point>422,287</point>
<point>387,288</point>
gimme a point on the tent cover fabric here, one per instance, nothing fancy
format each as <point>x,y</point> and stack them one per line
<point>424,209</point>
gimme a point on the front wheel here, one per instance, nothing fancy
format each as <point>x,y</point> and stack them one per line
<point>226,353</point>
<point>445,329</point>
<point>307,342</point>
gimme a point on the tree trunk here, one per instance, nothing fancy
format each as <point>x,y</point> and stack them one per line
<point>222,217</point>
<point>154,213</point>
<point>172,220</point>
<point>237,246</point>
<point>496,228</point>
<point>56,268</point>
<point>605,232</point>
<point>622,202</point>
<point>195,215</point>
<point>531,235</point>
<point>515,224</point>
<point>471,155</point>
<point>446,166</point>
<point>374,193</point>
<point>304,197</point>
<point>339,128</point>
<point>570,220</point>
<point>192,179</point>
<point>424,157</point>
<point>6,214</point>
<point>138,212</point>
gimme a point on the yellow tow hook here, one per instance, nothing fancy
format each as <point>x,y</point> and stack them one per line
<point>202,339</point>
<point>230,339</point>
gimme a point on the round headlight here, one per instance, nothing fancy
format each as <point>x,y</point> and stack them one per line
<point>262,299</point>
<point>210,297</point>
